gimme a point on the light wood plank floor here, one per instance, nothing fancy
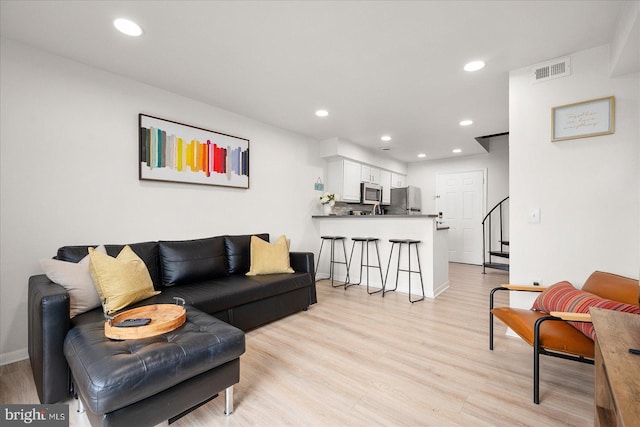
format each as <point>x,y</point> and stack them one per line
<point>356,360</point>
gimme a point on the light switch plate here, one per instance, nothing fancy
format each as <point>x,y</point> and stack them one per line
<point>534,215</point>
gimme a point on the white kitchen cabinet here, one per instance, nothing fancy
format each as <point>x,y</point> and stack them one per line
<point>398,180</point>
<point>375,175</point>
<point>370,174</point>
<point>385,182</point>
<point>343,178</point>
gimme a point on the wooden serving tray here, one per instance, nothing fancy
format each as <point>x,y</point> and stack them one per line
<point>164,318</point>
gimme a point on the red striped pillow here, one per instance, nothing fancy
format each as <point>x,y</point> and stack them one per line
<point>564,297</point>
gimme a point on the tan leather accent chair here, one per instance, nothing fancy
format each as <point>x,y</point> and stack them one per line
<point>549,333</point>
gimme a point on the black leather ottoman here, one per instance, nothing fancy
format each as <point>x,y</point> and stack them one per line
<point>151,380</point>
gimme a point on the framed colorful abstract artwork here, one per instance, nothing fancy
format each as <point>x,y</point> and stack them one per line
<point>175,152</point>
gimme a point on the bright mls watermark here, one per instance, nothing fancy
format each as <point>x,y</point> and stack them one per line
<point>34,415</point>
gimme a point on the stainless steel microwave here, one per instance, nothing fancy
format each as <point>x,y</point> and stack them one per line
<point>370,194</point>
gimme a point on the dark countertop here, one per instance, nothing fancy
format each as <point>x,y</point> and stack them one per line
<point>375,216</point>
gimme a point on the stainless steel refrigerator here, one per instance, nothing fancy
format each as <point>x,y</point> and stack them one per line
<point>405,201</point>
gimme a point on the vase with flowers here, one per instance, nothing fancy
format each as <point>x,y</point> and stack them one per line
<point>328,200</point>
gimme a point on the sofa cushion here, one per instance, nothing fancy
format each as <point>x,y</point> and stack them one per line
<point>120,281</point>
<point>147,251</point>
<point>269,258</point>
<point>190,261</point>
<point>76,279</point>
<point>238,250</point>
<point>564,297</point>
<point>556,295</point>
<point>613,286</point>
<point>216,295</point>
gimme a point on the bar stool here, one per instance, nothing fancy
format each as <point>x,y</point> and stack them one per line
<point>364,245</point>
<point>332,260</point>
<point>401,242</point>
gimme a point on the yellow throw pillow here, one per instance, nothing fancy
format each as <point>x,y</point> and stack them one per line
<point>120,281</point>
<point>267,258</point>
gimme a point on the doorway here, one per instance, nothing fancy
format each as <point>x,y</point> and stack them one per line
<point>461,198</point>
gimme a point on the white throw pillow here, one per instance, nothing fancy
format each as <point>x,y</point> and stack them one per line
<point>76,279</point>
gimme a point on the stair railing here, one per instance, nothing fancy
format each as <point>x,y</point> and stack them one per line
<point>486,226</point>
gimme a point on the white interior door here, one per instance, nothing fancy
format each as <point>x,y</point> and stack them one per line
<point>461,199</point>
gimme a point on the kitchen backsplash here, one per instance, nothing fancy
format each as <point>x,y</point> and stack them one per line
<point>343,208</point>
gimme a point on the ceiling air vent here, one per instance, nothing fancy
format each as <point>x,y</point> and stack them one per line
<point>553,69</point>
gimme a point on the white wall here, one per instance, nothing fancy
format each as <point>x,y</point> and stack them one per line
<point>496,161</point>
<point>587,189</point>
<point>625,44</point>
<point>337,147</point>
<point>69,174</point>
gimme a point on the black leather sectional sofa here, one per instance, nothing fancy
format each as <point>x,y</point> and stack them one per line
<point>208,273</point>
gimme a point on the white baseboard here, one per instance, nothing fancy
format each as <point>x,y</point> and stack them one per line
<point>440,289</point>
<point>14,356</point>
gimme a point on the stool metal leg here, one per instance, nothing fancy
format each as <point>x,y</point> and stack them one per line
<point>398,266</point>
<point>408,269</point>
<point>332,264</point>
<point>379,267</point>
<point>351,260</point>
<point>419,272</point>
<point>346,263</point>
<point>318,262</point>
<point>384,286</point>
<point>364,246</point>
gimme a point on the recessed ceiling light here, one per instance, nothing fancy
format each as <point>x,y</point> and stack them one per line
<point>127,27</point>
<point>456,150</point>
<point>385,138</point>
<point>466,122</point>
<point>422,155</point>
<point>474,66</point>
<point>322,113</point>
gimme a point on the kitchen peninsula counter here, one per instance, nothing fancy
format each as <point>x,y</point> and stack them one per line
<point>375,216</point>
<point>434,249</point>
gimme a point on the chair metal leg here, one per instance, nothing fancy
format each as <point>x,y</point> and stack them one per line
<point>537,350</point>
<point>536,368</point>
<point>491,305</point>
<point>490,330</point>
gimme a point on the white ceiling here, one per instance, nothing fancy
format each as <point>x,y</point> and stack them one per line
<point>378,67</point>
